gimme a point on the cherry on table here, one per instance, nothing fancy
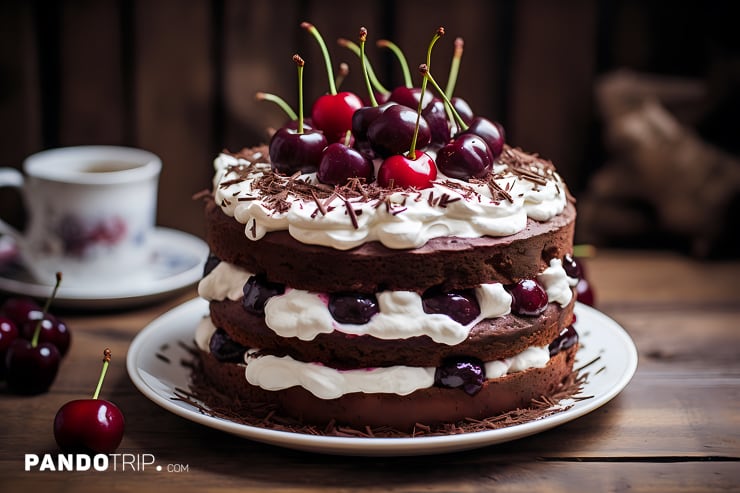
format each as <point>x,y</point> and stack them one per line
<point>8,334</point>
<point>30,366</point>
<point>90,424</point>
<point>21,309</point>
<point>52,330</point>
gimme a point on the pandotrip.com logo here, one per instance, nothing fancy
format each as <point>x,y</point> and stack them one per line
<point>99,463</point>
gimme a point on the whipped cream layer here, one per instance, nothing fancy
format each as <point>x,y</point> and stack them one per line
<point>304,314</point>
<point>281,372</point>
<point>521,186</point>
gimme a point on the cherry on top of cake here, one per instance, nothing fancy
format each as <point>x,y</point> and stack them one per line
<point>410,133</point>
<point>395,171</point>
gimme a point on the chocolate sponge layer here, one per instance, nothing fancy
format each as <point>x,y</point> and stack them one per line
<point>449,262</point>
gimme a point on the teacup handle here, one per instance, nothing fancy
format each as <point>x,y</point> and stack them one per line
<point>11,177</point>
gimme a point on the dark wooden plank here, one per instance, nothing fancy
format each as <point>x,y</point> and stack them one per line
<point>479,81</point>
<point>259,42</point>
<point>551,79</point>
<point>92,102</point>
<point>173,88</point>
<point>20,110</point>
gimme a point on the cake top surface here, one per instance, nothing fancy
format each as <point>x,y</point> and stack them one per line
<point>520,186</point>
<point>411,165</point>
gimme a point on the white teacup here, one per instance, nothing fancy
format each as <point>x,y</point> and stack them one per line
<point>91,212</point>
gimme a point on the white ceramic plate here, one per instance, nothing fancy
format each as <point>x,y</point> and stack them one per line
<point>600,337</point>
<point>177,262</point>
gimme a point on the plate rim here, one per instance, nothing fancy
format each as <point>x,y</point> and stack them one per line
<point>376,446</point>
<point>76,296</point>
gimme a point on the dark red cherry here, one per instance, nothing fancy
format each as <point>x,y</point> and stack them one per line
<point>468,374</point>
<point>257,290</point>
<point>225,349</point>
<point>585,293</point>
<point>332,114</point>
<point>90,424</point>
<point>52,330</point>
<point>528,298</point>
<point>466,156</point>
<point>491,132</point>
<point>439,125</point>
<point>352,308</point>
<point>461,306</point>
<point>21,309</point>
<point>566,339</point>
<point>291,151</point>
<point>8,334</point>
<point>211,262</point>
<point>391,133</point>
<point>31,369</point>
<point>572,266</point>
<point>405,172</point>
<point>363,117</point>
<point>409,97</point>
<point>339,163</point>
<point>463,109</point>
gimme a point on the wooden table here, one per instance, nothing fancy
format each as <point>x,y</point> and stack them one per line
<point>676,427</point>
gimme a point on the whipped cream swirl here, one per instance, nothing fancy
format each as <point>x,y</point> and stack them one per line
<point>398,219</point>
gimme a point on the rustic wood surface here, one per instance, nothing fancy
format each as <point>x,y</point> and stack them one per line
<point>676,427</point>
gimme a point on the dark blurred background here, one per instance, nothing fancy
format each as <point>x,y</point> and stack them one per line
<point>635,101</point>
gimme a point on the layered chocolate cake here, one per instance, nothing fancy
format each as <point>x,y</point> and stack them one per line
<point>375,287</point>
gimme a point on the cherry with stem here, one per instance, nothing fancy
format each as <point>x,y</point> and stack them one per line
<point>31,366</point>
<point>332,112</point>
<point>492,133</point>
<point>90,424</point>
<point>297,149</point>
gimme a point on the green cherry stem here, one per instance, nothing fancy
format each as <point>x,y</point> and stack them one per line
<point>454,67</point>
<point>363,38</point>
<point>273,98</point>
<point>325,51</point>
<point>346,43</point>
<point>424,69</point>
<point>106,362</point>
<point>300,63</point>
<point>384,43</point>
<point>45,309</point>
<point>438,34</point>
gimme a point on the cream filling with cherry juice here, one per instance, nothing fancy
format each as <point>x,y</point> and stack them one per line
<point>303,314</point>
<point>401,219</point>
